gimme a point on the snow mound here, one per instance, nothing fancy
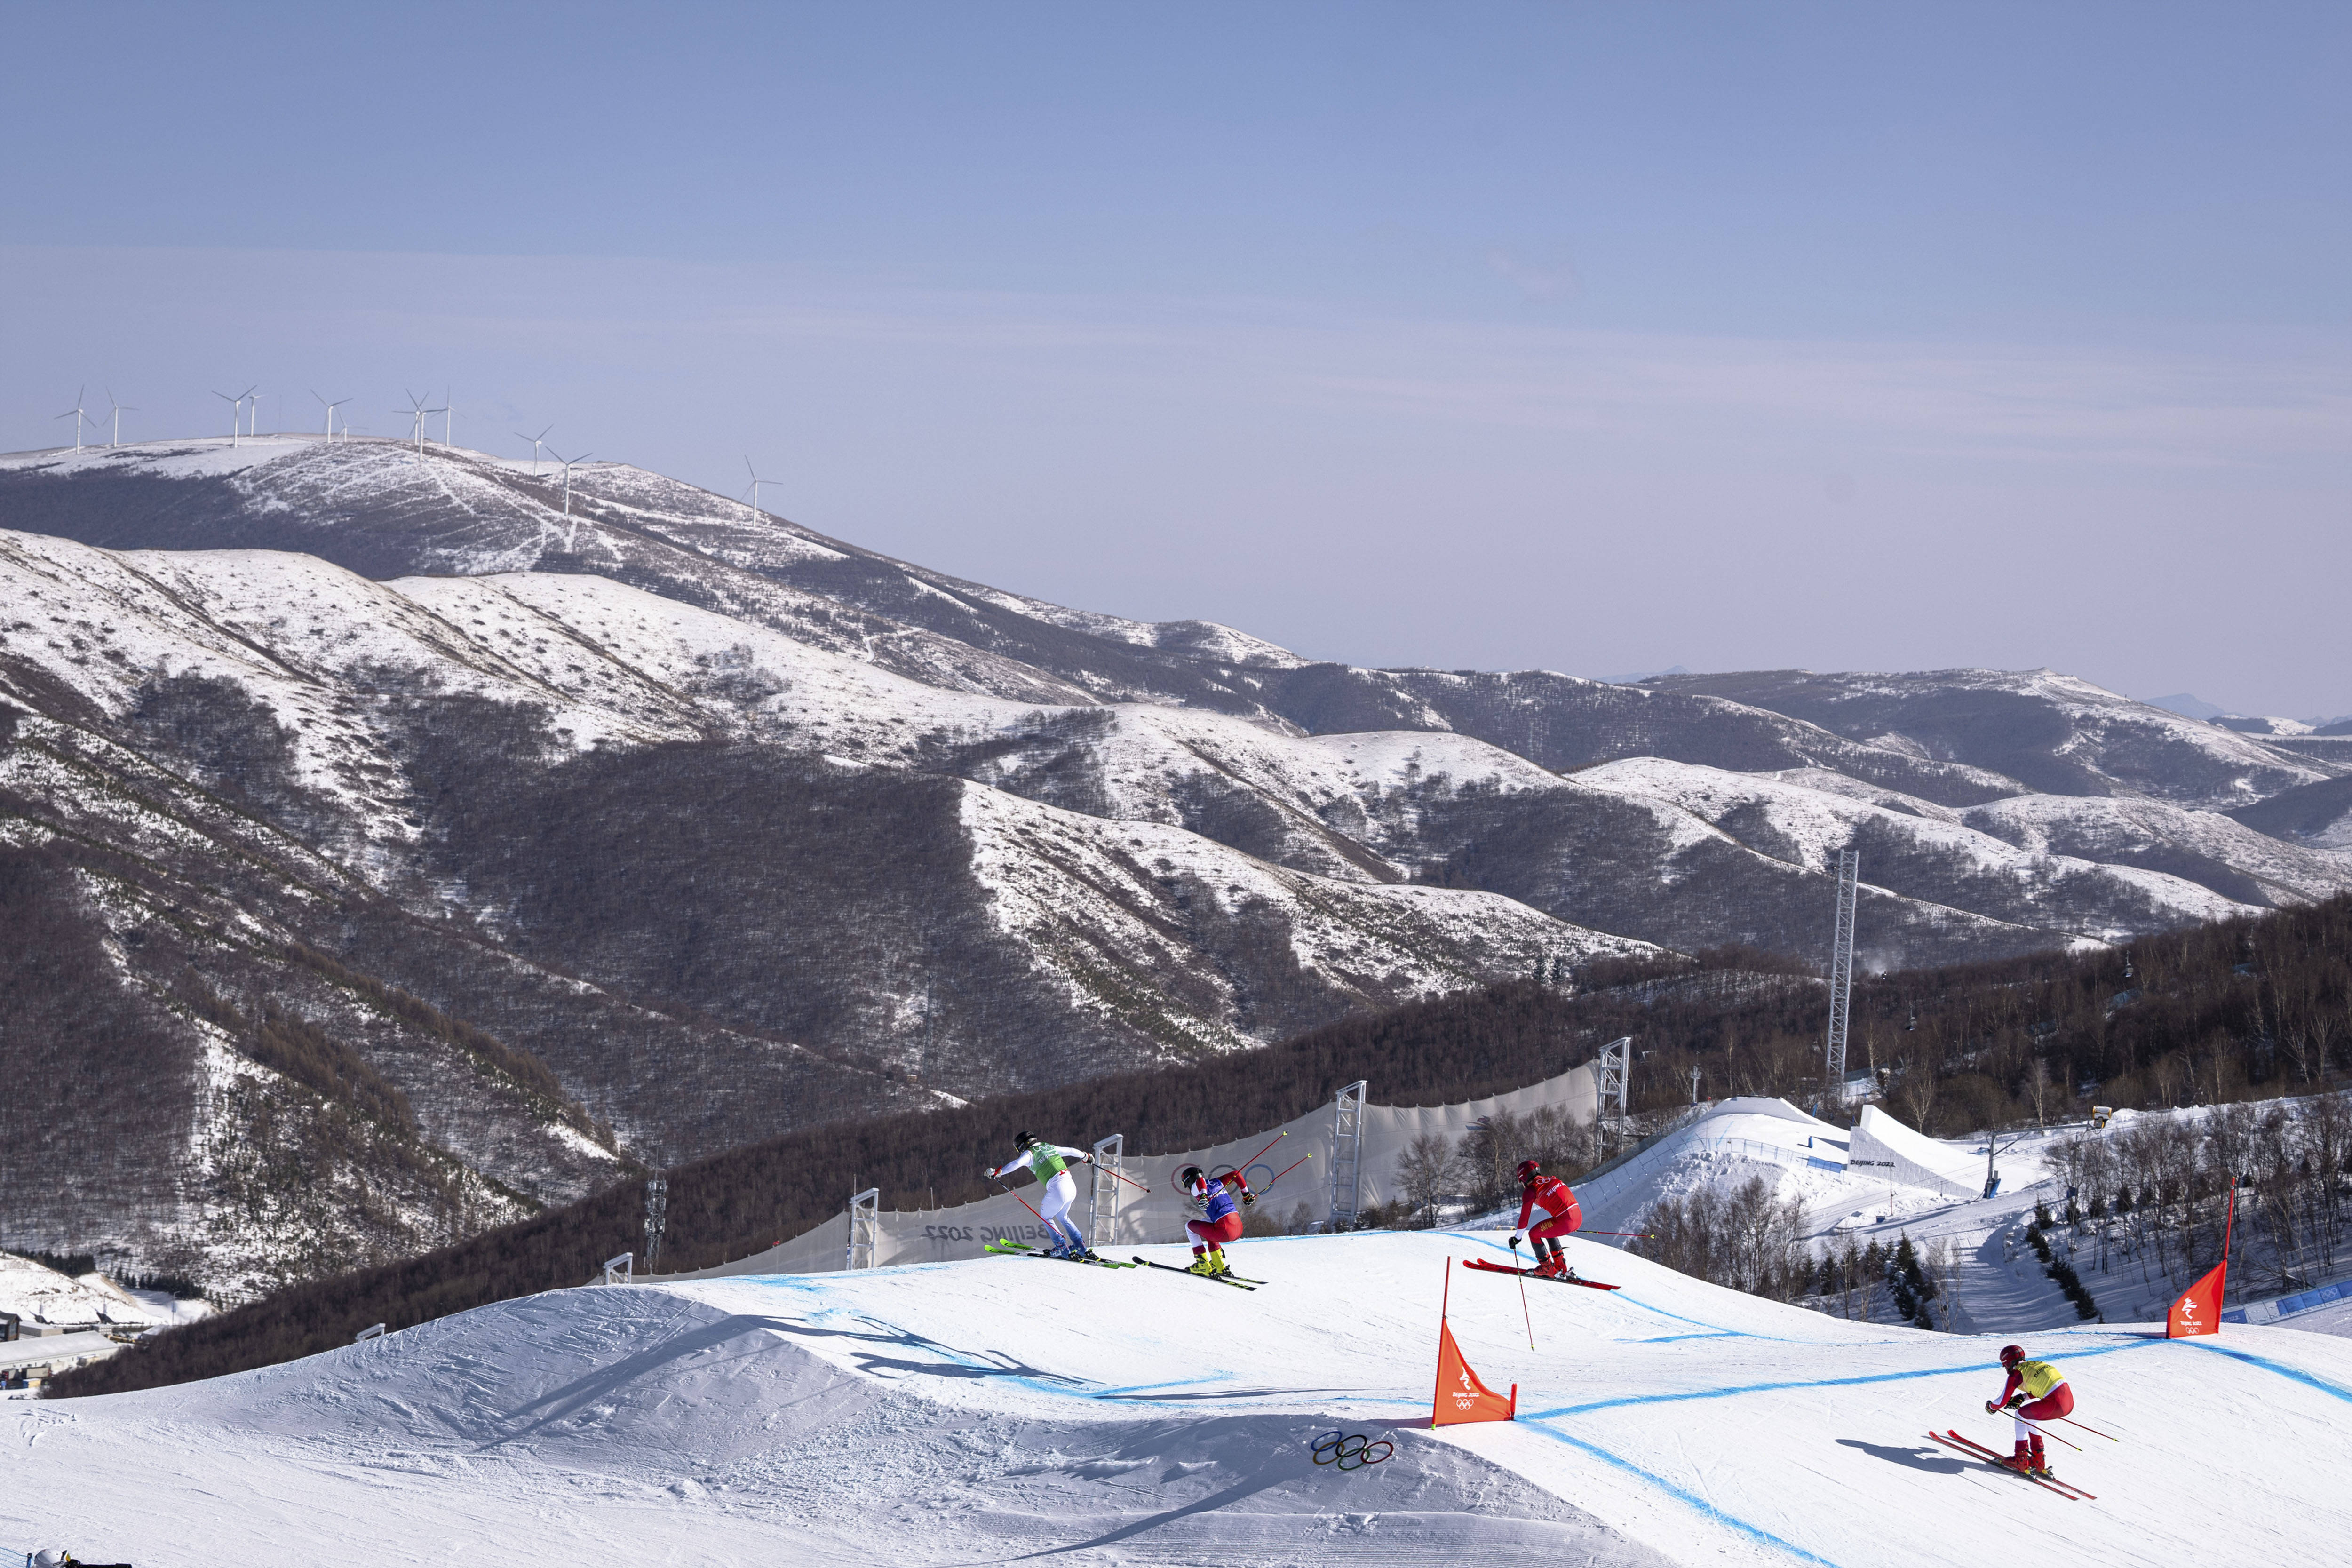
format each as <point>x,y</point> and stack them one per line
<point>1007,1407</point>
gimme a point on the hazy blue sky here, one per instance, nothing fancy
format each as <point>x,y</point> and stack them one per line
<point>1594,337</point>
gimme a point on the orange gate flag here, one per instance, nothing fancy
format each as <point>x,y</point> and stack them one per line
<point>2199,1311</point>
<point>1460,1395</point>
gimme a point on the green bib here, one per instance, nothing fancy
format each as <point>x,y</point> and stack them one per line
<point>1047,1163</point>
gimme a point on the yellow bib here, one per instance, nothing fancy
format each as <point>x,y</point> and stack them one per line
<point>2037,1378</point>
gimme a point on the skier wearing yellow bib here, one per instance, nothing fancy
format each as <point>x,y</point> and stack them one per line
<point>1051,1163</point>
<point>2036,1391</point>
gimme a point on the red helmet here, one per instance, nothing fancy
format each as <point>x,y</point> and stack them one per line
<point>2011,1355</point>
<point>1528,1171</point>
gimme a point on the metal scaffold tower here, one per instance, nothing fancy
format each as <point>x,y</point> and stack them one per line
<point>865,1227</point>
<point>1102,1199</point>
<point>1849,870</point>
<point>1609,1075</point>
<point>657,1218</point>
<point>1346,1152</point>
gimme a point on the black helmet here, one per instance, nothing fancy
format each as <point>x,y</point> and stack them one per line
<point>1191,1179</point>
<point>1024,1140</point>
<point>1528,1171</point>
<point>2011,1355</point>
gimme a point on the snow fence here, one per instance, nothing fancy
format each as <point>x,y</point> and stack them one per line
<point>1114,1213</point>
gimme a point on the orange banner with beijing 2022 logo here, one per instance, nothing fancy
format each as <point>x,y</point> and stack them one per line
<point>1460,1395</point>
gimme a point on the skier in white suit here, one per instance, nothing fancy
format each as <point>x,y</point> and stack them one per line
<point>1051,1163</point>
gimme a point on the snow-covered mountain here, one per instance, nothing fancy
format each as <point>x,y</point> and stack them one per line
<point>436,852</point>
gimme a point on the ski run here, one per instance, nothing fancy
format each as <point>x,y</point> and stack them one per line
<point>994,1410</point>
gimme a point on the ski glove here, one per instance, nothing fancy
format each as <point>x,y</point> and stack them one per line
<point>1248,1197</point>
<point>1515,1241</point>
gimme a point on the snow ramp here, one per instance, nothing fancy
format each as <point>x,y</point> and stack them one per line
<point>1009,1408</point>
<point>1884,1147</point>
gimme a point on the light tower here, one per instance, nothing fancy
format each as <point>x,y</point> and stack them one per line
<point>657,1218</point>
<point>1849,867</point>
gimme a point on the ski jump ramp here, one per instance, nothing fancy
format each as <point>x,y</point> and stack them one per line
<point>1884,1147</point>
<point>1011,1409</point>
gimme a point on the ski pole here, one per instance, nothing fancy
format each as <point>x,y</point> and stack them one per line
<point>1284,1171</point>
<point>1524,1314</point>
<point>2043,1430</point>
<point>1026,1204</point>
<point>2093,1431</point>
<point>1636,1234</point>
<point>1253,1159</point>
<point>1123,1176</point>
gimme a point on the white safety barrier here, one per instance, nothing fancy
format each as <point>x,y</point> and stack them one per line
<point>1128,1216</point>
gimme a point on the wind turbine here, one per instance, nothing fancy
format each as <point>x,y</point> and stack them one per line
<point>567,463</point>
<point>448,417</point>
<point>117,410</point>
<point>76,415</point>
<point>416,411</point>
<point>536,441</point>
<point>756,482</point>
<point>330,414</point>
<point>236,413</point>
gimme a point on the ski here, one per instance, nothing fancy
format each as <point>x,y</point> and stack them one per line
<point>1974,1450</point>
<point>1020,1249</point>
<point>1213,1279</point>
<point>2068,1487</point>
<point>1481,1263</point>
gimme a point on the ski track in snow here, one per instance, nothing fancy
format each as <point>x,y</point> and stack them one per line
<point>1005,1408</point>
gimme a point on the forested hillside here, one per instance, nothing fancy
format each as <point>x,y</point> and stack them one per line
<point>2242,1010</point>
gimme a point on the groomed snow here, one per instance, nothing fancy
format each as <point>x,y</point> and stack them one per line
<point>1006,1408</point>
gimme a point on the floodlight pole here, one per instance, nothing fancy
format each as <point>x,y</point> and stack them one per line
<point>1849,867</point>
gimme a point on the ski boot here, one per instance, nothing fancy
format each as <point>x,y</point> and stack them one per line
<point>1552,1266</point>
<point>1217,1264</point>
<point>2021,1462</point>
<point>1202,1264</point>
<point>2042,1464</point>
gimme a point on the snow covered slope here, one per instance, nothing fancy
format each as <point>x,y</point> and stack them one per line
<point>1002,1409</point>
<point>2055,734</point>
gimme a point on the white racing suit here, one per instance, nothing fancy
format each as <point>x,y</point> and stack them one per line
<point>1058,1189</point>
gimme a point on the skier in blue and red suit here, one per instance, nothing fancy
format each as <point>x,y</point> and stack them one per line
<point>2046,1387</point>
<point>1549,1196</point>
<point>1221,1220</point>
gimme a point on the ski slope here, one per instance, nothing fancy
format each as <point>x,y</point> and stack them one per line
<point>994,1410</point>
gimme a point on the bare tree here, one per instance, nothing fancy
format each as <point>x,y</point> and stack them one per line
<point>1426,1172</point>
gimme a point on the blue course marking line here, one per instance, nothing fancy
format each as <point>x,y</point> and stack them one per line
<point>2295,1373</point>
<point>1636,1300</point>
<point>1689,1500</point>
<point>1972,1369</point>
<point>1678,1339</point>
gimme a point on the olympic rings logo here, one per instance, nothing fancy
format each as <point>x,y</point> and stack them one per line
<point>1351,1452</point>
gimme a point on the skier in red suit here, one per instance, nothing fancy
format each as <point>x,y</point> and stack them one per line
<point>1549,1196</point>
<point>2045,1386</point>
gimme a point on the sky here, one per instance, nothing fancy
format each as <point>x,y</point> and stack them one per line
<point>1600,337</point>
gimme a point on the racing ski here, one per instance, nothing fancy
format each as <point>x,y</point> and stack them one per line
<point>1022,1250</point>
<point>1975,1450</point>
<point>1213,1279</point>
<point>1531,1274</point>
